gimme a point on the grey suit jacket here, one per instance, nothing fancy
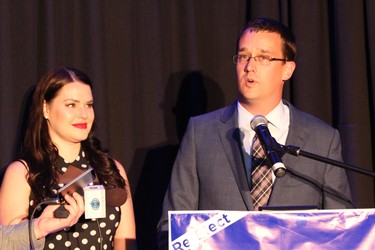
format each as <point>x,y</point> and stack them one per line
<point>209,171</point>
<point>14,237</point>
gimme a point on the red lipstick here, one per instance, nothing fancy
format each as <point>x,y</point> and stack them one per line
<point>80,125</point>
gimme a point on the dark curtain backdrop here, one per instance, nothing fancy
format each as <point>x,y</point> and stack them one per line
<point>156,63</point>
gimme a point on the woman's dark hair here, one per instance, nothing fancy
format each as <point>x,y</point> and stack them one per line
<point>269,25</point>
<point>41,154</point>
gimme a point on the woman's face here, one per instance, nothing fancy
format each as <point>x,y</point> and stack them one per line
<point>70,114</point>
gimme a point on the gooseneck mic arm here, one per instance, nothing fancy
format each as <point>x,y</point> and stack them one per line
<point>296,151</point>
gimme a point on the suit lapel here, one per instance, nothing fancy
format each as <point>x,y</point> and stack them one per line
<point>231,141</point>
<point>297,135</point>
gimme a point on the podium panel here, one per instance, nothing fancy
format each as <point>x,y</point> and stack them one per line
<point>307,229</point>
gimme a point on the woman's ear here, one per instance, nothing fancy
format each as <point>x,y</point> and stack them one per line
<point>45,110</point>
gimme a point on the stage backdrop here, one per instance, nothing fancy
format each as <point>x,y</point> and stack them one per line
<point>155,63</point>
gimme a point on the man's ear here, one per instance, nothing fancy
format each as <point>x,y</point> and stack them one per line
<point>288,70</point>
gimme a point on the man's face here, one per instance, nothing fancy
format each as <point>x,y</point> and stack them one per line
<point>262,84</point>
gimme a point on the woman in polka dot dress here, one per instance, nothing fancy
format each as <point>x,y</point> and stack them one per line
<point>59,144</point>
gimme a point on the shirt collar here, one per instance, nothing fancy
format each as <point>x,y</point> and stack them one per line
<point>244,117</point>
<point>278,117</point>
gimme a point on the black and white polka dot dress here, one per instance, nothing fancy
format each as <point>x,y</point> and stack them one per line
<point>87,233</point>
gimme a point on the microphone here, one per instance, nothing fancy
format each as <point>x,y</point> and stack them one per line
<point>269,144</point>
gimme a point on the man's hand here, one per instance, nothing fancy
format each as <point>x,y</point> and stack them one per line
<point>46,223</point>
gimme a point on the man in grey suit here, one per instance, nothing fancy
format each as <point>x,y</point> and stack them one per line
<point>212,170</point>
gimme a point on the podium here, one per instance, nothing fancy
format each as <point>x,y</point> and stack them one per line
<point>302,229</point>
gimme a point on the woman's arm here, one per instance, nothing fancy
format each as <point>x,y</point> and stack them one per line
<point>14,195</point>
<point>125,237</point>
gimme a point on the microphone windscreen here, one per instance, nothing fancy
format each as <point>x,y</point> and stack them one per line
<point>258,120</point>
<point>115,197</point>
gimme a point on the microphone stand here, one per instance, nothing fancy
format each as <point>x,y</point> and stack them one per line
<point>296,151</point>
